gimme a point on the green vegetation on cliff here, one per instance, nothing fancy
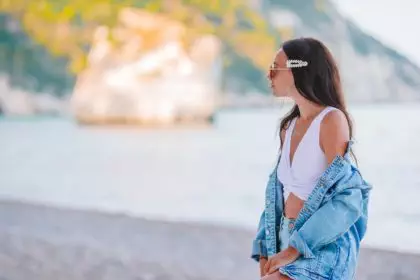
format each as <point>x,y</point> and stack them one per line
<point>45,42</point>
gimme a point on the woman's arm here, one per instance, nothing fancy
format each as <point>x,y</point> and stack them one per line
<point>343,210</point>
<point>328,223</point>
<point>334,135</point>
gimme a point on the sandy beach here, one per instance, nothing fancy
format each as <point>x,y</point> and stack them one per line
<point>41,242</point>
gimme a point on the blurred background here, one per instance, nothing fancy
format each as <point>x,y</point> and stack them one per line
<point>137,136</point>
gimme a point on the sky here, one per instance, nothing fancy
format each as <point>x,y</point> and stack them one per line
<point>395,23</point>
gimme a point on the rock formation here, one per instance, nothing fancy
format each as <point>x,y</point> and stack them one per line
<point>143,71</point>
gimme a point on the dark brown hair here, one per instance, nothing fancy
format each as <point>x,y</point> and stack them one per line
<point>319,81</point>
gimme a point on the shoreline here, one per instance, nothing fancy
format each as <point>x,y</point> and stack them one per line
<point>46,242</point>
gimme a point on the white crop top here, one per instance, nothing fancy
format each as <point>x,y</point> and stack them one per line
<point>309,162</point>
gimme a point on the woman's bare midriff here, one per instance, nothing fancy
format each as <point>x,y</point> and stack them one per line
<point>293,206</point>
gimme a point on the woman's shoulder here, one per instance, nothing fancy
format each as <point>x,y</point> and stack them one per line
<point>334,134</point>
<point>335,118</point>
<point>282,136</point>
<point>283,130</point>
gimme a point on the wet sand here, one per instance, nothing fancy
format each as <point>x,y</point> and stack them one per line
<point>49,243</point>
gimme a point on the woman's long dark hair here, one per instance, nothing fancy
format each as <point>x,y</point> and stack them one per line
<point>319,81</point>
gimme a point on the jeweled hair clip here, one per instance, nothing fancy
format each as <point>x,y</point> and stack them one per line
<point>296,63</point>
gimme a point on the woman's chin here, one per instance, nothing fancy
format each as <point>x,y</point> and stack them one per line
<point>278,94</point>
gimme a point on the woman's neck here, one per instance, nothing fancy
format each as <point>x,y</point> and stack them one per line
<point>308,110</point>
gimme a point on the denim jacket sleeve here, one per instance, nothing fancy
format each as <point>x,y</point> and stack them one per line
<point>327,223</point>
<point>258,245</point>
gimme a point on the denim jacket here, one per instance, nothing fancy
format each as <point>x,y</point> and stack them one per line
<point>328,229</point>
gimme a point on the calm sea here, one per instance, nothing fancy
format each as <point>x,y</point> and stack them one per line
<point>214,174</point>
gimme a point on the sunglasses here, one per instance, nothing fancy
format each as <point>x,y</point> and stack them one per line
<point>273,70</point>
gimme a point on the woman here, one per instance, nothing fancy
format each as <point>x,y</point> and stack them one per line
<point>315,212</point>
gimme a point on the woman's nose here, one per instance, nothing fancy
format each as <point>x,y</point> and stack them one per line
<point>268,75</point>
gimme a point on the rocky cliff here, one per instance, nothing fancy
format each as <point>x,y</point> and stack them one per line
<point>371,71</point>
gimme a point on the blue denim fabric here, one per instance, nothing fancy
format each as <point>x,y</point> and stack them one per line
<point>328,229</point>
<point>286,228</point>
